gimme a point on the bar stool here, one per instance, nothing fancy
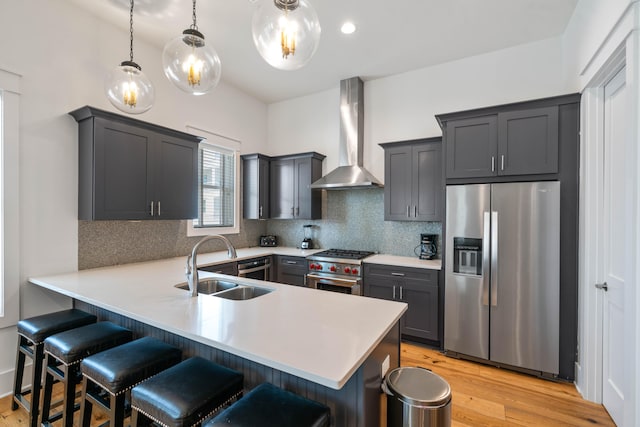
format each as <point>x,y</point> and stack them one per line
<point>185,394</point>
<point>64,352</point>
<point>270,406</point>
<point>119,369</point>
<point>31,335</point>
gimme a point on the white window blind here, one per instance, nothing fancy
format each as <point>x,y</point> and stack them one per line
<point>216,187</point>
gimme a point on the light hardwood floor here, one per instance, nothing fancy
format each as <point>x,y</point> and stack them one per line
<point>482,396</point>
<point>488,396</point>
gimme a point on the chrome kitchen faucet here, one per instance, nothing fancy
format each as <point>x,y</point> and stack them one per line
<point>192,265</point>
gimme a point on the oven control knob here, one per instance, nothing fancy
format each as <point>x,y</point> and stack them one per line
<point>333,268</point>
<point>312,266</point>
<point>354,271</point>
<point>347,270</point>
<point>318,267</point>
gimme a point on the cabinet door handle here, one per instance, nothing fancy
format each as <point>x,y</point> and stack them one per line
<point>159,211</point>
<point>408,211</point>
<point>260,211</point>
<point>502,162</point>
<point>400,292</point>
<point>394,291</point>
<point>151,210</point>
<point>290,262</point>
<point>293,211</point>
<point>398,274</point>
<point>298,211</point>
<point>493,164</point>
<point>415,211</point>
<point>602,286</point>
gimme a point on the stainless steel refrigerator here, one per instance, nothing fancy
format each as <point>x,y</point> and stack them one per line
<point>502,285</point>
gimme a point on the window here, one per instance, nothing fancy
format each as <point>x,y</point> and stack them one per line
<point>218,201</point>
<point>9,206</point>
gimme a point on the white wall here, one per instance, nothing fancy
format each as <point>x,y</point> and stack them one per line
<point>587,31</point>
<point>403,106</point>
<point>63,55</point>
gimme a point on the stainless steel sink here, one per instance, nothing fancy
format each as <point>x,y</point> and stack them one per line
<point>243,293</point>
<point>209,286</point>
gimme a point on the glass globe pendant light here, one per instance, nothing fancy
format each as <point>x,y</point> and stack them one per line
<point>126,86</point>
<point>190,63</point>
<point>286,32</point>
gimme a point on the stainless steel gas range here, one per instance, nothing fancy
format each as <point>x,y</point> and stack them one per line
<point>336,270</point>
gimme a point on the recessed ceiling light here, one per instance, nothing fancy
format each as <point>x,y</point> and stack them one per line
<point>348,28</point>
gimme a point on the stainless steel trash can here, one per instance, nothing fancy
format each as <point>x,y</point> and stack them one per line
<point>416,397</point>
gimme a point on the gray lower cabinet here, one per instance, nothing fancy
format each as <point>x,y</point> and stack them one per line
<point>413,189</point>
<point>290,180</point>
<point>133,170</point>
<point>229,268</point>
<point>255,186</point>
<point>291,270</point>
<point>509,140</point>
<point>416,286</point>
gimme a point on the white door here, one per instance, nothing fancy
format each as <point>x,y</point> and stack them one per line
<point>614,238</point>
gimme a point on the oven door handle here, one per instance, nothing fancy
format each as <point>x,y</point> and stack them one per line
<point>252,270</point>
<point>337,280</point>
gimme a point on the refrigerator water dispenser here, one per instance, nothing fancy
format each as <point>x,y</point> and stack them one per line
<point>467,256</point>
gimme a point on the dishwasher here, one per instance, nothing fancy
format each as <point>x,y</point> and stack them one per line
<point>255,268</point>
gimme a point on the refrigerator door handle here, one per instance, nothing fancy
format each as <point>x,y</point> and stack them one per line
<point>486,236</point>
<point>494,258</point>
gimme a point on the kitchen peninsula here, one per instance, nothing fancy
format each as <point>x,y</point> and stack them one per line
<point>330,347</point>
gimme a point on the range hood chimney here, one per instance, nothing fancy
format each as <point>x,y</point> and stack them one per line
<point>350,173</point>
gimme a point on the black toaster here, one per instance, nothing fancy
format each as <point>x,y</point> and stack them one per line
<point>268,240</point>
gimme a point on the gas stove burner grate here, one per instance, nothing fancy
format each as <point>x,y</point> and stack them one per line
<point>343,254</point>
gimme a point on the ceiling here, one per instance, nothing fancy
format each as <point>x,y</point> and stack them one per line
<point>392,36</point>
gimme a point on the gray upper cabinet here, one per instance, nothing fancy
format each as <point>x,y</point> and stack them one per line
<point>133,170</point>
<point>255,181</point>
<point>519,139</point>
<point>291,194</point>
<point>528,142</point>
<point>471,147</point>
<point>413,188</point>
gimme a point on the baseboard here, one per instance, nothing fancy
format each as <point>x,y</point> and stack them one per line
<point>6,380</point>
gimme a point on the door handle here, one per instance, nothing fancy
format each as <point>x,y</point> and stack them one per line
<point>494,258</point>
<point>493,164</point>
<point>260,212</point>
<point>602,286</point>
<point>415,211</point>
<point>408,212</point>
<point>394,291</point>
<point>400,292</point>
<point>502,162</point>
<point>486,257</point>
<point>159,211</point>
<point>151,210</point>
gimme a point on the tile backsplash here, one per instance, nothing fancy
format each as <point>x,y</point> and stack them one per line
<point>352,219</point>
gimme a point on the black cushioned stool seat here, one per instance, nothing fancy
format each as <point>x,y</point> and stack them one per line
<point>64,352</point>
<point>117,370</point>
<point>270,406</point>
<point>31,335</point>
<point>185,394</point>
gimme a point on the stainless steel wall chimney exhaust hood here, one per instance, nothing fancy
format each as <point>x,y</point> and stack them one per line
<point>350,173</point>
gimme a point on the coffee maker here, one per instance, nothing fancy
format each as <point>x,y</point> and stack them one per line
<point>428,246</point>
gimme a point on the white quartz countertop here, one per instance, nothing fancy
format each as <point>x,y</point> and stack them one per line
<point>404,261</point>
<point>320,336</point>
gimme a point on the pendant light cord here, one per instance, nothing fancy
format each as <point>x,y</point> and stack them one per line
<point>194,26</point>
<point>131,31</point>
